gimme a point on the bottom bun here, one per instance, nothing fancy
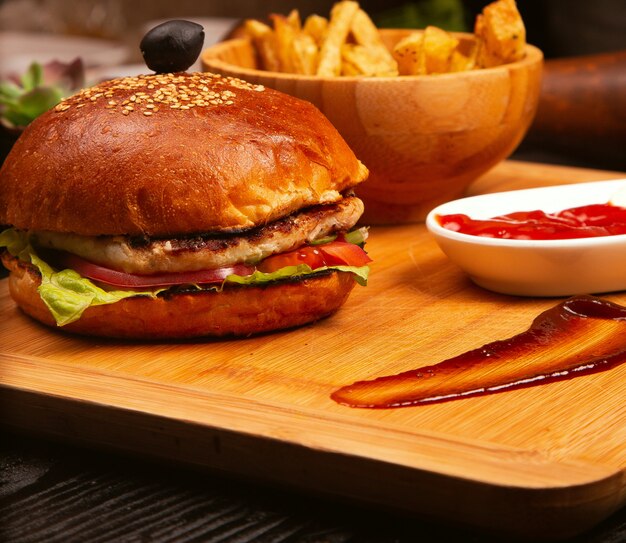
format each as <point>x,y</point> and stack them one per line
<point>235,311</point>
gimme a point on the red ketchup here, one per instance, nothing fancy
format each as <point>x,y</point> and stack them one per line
<point>588,221</point>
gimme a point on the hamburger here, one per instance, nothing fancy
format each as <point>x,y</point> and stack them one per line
<point>181,205</point>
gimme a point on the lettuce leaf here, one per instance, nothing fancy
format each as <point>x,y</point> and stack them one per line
<point>67,294</point>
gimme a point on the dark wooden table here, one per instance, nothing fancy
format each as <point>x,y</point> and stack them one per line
<point>54,492</point>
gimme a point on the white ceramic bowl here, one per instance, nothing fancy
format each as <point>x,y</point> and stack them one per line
<point>536,267</point>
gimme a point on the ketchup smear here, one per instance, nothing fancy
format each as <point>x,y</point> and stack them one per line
<point>579,336</point>
<point>588,221</point>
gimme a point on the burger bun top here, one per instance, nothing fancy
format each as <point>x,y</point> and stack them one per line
<point>173,154</point>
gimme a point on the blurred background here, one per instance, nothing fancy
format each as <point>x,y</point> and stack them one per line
<point>581,119</point>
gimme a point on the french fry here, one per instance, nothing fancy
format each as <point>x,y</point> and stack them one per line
<point>341,16</point>
<point>500,33</point>
<point>264,41</point>
<point>407,53</point>
<point>438,47</point>
<point>294,20</point>
<point>366,34</point>
<point>316,26</point>
<point>430,52</point>
<point>296,51</point>
<point>461,62</point>
<point>349,69</point>
<point>482,60</point>
<point>304,48</point>
<point>285,35</point>
<point>305,54</point>
<point>359,60</point>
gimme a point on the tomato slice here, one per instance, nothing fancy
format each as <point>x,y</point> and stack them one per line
<point>130,280</point>
<point>342,253</point>
<point>311,256</point>
<point>335,253</point>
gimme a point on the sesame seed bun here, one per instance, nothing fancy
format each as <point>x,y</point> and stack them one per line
<point>235,311</point>
<point>171,154</point>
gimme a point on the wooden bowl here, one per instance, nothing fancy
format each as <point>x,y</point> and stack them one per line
<point>423,138</point>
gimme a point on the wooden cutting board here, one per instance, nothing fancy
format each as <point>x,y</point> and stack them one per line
<point>548,460</point>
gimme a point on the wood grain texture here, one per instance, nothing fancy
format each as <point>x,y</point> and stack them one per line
<point>549,460</point>
<point>51,490</point>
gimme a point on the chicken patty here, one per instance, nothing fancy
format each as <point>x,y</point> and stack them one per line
<point>208,251</point>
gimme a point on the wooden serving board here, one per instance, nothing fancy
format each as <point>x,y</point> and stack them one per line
<point>544,461</point>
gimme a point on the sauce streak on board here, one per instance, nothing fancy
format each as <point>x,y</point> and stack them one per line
<point>594,220</point>
<point>581,335</point>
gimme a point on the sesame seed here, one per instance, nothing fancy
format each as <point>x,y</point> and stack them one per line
<point>147,92</point>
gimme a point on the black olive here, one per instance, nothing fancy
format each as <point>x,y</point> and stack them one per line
<point>172,46</point>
